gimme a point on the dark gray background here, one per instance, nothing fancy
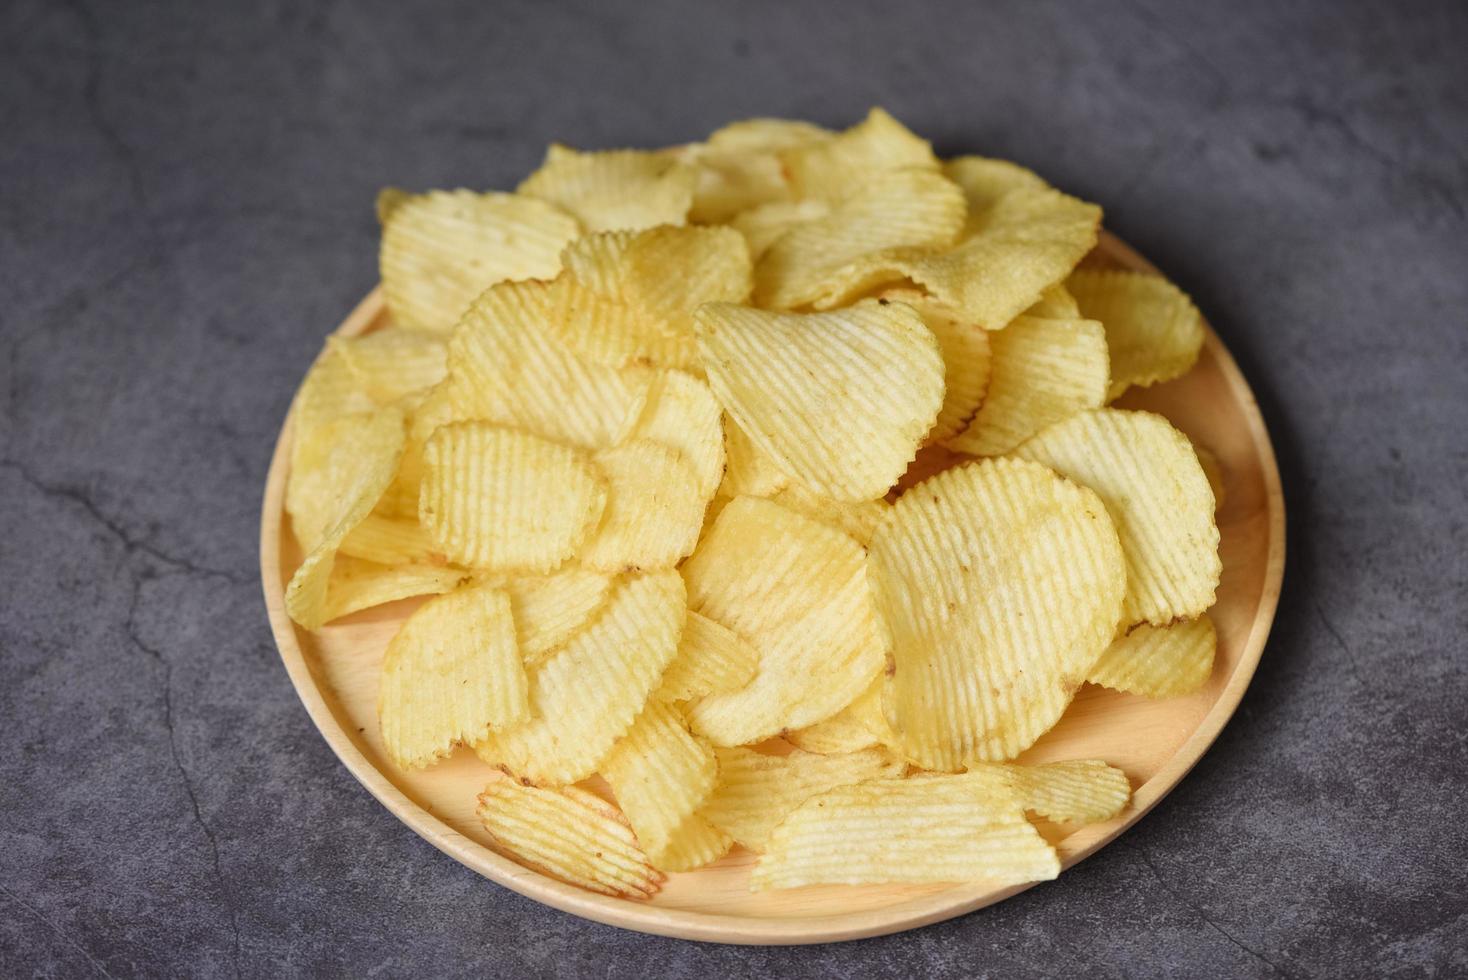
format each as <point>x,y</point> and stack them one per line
<point>186,208</point>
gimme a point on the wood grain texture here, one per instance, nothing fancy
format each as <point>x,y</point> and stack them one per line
<point>335,673</point>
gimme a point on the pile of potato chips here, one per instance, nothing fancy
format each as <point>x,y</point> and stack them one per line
<point>636,429</point>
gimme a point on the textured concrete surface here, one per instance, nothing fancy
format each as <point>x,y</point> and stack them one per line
<point>186,207</point>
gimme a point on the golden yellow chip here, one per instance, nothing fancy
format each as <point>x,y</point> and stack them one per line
<point>739,166</point>
<point>833,169</point>
<point>505,367</point>
<point>356,584</point>
<point>587,695</point>
<point>396,362</point>
<point>682,414</point>
<point>857,726</point>
<point>764,225</point>
<point>840,401</point>
<point>858,519</point>
<point>504,500</point>
<point>357,461</point>
<point>1159,661</point>
<point>653,513</point>
<point>608,190</point>
<point>1042,370</point>
<point>443,248</point>
<point>1153,329</point>
<point>550,609</point>
<point>1077,791</point>
<point>330,393</point>
<point>966,360</point>
<point>747,470</point>
<point>391,541</point>
<point>628,297</point>
<point>661,775</point>
<point>985,179</point>
<point>1151,482</point>
<point>426,413</point>
<point>829,260</point>
<point>796,590</point>
<point>756,791</point>
<point>914,831</point>
<point>1001,584</point>
<point>711,658</point>
<point>1056,303</point>
<point>694,844</point>
<point>452,674</point>
<point>568,834</point>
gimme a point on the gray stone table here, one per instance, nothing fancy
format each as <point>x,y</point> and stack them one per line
<point>186,208</point>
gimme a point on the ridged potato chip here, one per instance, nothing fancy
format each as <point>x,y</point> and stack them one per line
<point>694,844</point>
<point>550,609</point>
<point>653,513</point>
<point>1151,482</point>
<point>747,470</point>
<point>391,541</point>
<point>756,791</point>
<point>357,462</point>
<point>628,297</point>
<point>331,395</point>
<point>859,519</point>
<point>1042,370</point>
<point>1056,303</point>
<point>425,414</point>
<point>682,414</point>
<point>396,362</point>
<point>966,361</point>
<point>1001,584</point>
<point>503,500</point>
<point>505,367</point>
<point>763,226</point>
<point>857,726</point>
<point>1077,791</point>
<point>840,401</point>
<point>1159,661</point>
<point>569,834</point>
<point>985,180</point>
<point>452,674</point>
<point>914,831</point>
<point>833,169</point>
<point>739,166</point>
<point>356,584</point>
<point>711,658</point>
<point>587,695</point>
<point>827,261</point>
<point>609,190</point>
<point>443,248</point>
<point>796,589</point>
<point>1153,330</point>
<point>661,775</point>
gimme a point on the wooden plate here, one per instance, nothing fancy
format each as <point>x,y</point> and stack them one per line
<point>1156,742</point>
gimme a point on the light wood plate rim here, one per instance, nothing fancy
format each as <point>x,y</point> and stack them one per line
<point>710,927</point>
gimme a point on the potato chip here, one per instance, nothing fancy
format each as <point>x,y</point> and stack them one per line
<point>1152,484</point>
<point>569,834</point>
<point>355,465</point>
<point>682,414</point>
<point>653,512</point>
<point>1042,371</point>
<point>796,590</point>
<point>739,166</point>
<point>840,401</point>
<point>764,225</point>
<point>711,658</point>
<point>747,470</point>
<point>391,541</point>
<point>1159,661</point>
<point>857,726</point>
<point>1213,470</point>
<point>829,260</point>
<point>586,696</point>
<point>1153,329</point>
<point>833,169</point>
<point>452,674</point>
<point>505,367</point>
<point>661,775</point>
<point>1077,791</point>
<point>356,584</point>
<point>985,180</point>
<point>1056,303</point>
<point>966,358</point>
<point>608,190</point>
<point>330,392</point>
<point>1001,584</point>
<point>443,248</point>
<point>396,362</point>
<point>859,519</point>
<point>504,500</point>
<point>912,831</point>
<point>550,609</point>
<point>628,297</point>
<point>694,844</point>
<point>756,791</point>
